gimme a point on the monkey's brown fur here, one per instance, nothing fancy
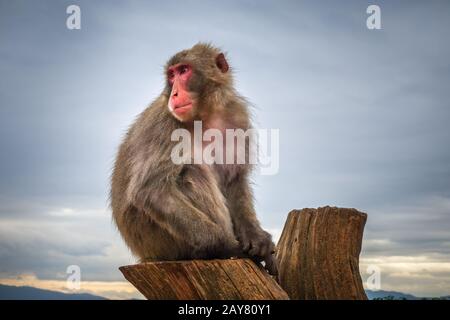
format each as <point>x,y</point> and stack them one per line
<point>166,211</point>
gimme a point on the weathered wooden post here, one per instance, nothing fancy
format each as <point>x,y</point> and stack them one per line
<point>318,254</point>
<point>318,257</point>
<point>229,279</point>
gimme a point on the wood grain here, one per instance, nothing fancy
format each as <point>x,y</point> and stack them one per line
<point>238,279</point>
<point>318,254</point>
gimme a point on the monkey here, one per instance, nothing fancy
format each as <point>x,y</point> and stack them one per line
<point>167,211</point>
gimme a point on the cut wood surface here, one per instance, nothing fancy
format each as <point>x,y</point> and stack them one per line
<point>318,254</point>
<point>204,280</point>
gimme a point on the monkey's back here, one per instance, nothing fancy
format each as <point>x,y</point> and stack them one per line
<point>145,238</point>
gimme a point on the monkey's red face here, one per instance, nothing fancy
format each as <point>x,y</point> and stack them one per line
<point>181,104</point>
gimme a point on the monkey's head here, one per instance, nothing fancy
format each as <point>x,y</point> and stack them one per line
<point>193,77</point>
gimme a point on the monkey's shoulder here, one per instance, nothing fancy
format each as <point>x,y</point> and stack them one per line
<point>150,129</point>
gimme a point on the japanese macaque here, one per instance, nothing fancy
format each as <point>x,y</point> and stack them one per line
<point>168,211</point>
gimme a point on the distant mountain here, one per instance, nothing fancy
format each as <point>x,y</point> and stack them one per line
<point>394,294</point>
<point>30,293</point>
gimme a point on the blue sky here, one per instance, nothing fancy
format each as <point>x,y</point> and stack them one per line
<point>363,119</point>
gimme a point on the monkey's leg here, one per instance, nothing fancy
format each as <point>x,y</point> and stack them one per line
<point>172,206</point>
<point>200,185</point>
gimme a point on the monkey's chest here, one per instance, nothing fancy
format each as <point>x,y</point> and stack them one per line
<point>226,172</point>
<point>222,154</point>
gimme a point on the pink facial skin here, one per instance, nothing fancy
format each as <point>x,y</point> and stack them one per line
<point>180,102</point>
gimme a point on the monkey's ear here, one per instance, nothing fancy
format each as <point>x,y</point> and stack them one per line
<point>222,63</point>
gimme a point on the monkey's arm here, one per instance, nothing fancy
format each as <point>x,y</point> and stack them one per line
<point>253,239</point>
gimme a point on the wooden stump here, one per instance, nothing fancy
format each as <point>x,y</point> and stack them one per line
<point>318,254</point>
<point>202,280</point>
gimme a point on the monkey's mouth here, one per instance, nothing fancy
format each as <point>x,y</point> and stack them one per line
<point>182,108</point>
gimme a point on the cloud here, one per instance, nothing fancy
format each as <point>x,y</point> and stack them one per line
<point>48,243</point>
<point>410,244</point>
<point>423,276</point>
<point>420,227</point>
<point>116,290</point>
<point>363,118</point>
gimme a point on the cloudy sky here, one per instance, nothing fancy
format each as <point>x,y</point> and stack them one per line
<point>363,118</point>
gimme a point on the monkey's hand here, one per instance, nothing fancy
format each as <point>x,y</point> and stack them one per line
<point>270,263</point>
<point>258,244</point>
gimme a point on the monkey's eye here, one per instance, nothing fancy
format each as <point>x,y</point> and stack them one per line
<point>183,69</point>
<point>170,75</point>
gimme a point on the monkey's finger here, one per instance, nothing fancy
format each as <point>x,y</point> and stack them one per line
<point>273,249</point>
<point>245,243</point>
<point>259,249</point>
<point>255,249</point>
<point>267,248</point>
<point>271,265</point>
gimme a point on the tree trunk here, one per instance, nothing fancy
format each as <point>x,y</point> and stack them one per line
<point>318,254</point>
<point>203,280</point>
